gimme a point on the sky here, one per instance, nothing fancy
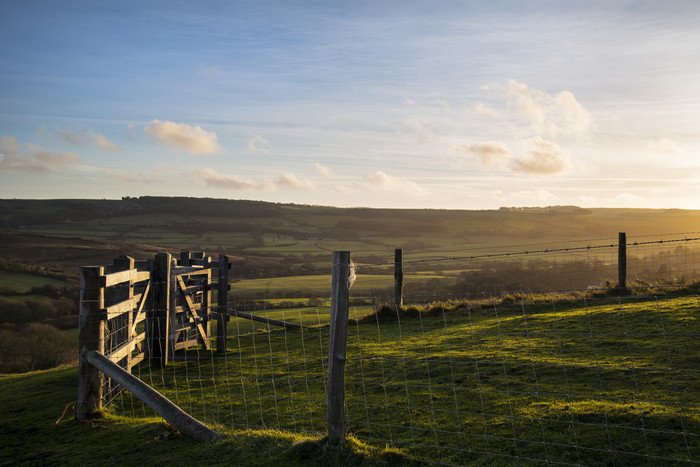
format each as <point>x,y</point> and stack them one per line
<point>403,104</point>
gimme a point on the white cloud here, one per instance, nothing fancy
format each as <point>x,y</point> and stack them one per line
<point>485,111</point>
<point>88,137</point>
<point>258,144</point>
<point>210,177</point>
<point>38,160</point>
<point>291,181</point>
<point>543,157</point>
<point>665,146</point>
<point>547,114</point>
<point>385,182</point>
<point>192,139</point>
<point>489,152</point>
<point>131,177</point>
<point>322,170</point>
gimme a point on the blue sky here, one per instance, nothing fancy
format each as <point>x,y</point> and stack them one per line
<point>439,104</point>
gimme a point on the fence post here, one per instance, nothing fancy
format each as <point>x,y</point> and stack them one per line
<point>340,303</point>
<point>398,277</point>
<point>222,304</point>
<point>622,261</point>
<point>91,337</point>
<point>160,329</point>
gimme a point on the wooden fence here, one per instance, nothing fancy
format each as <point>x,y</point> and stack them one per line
<point>131,311</point>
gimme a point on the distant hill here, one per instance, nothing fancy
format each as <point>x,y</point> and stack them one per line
<point>73,232</point>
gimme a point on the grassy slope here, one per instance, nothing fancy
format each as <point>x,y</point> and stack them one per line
<point>30,405</point>
<point>574,381</point>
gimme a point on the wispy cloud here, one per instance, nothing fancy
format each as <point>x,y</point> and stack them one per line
<point>293,182</point>
<point>87,137</point>
<point>210,177</point>
<point>37,160</point>
<point>546,113</point>
<point>258,144</point>
<point>489,153</point>
<point>543,158</point>
<point>132,177</point>
<point>485,111</point>
<point>322,170</point>
<point>385,182</point>
<point>665,146</point>
<point>192,139</point>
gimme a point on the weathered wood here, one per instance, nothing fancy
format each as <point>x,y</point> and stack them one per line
<point>123,307</point>
<point>165,408</point>
<point>622,261</point>
<point>190,310</point>
<point>159,326</point>
<point>119,325</point>
<point>398,277</point>
<point>91,338</point>
<point>340,304</point>
<point>276,322</point>
<point>130,275</point>
<point>222,303</point>
<point>125,349</point>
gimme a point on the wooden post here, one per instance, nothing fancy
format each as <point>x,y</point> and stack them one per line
<point>340,303</point>
<point>91,338</point>
<point>398,277</point>
<point>166,409</point>
<point>222,304</point>
<point>622,261</point>
<point>160,322</point>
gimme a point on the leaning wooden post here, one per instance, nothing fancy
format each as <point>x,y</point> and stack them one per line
<point>222,304</point>
<point>160,329</point>
<point>91,338</point>
<point>398,277</point>
<point>340,304</point>
<point>622,261</point>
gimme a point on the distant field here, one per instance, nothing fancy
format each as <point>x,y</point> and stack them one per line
<point>23,282</point>
<point>267,239</point>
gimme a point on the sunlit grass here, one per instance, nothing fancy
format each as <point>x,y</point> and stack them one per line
<point>588,380</point>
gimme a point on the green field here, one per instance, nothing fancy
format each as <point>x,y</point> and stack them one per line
<point>22,283</point>
<point>265,236</point>
<point>582,381</point>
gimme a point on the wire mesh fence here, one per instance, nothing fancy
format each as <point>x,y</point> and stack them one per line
<point>577,373</point>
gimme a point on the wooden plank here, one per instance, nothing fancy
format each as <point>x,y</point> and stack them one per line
<point>136,359</point>
<point>130,275</point>
<point>122,307</point>
<point>163,407</point>
<point>122,351</point>
<point>340,305</point>
<point>190,271</point>
<point>185,344</point>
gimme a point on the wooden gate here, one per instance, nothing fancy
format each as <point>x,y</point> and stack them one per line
<point>192,312</point>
